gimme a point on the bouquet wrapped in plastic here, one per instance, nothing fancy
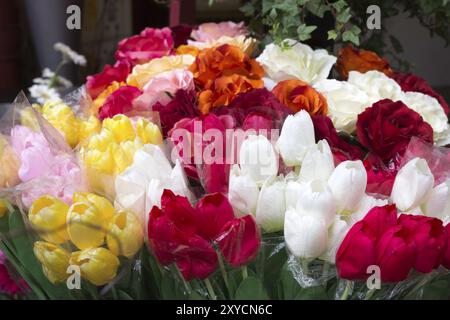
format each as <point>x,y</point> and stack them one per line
<point>190,169</point>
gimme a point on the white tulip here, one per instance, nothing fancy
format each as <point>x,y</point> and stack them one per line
<point>296,138</point>
<point>271,205</point>
<point>306,235</point>
<point>293,192</point>
<point>348,185</point>
<point>437,203</point>
<point>367,202</point>
<point>336,234</point>
<point>318,163</point>
<point>412,184</point>
<point>243,192</point>
<point>258,159</point>
<point>316,199</point>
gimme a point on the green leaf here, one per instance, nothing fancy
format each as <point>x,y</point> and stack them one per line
<point>350,36</point>
<point>304,32</point>
<point>251,289</point>
<point>344,16</point>
<point>332,35</point>
<point>437,290</point>
<point>312,293</point>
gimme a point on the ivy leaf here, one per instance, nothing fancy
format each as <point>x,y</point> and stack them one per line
<point>304,32</point>
<point>332,35</point>
<point>351,37</point>
<point>344,16</point>
<point>339,5</point>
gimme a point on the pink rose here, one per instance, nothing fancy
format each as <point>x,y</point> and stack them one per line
<point>119,102</point>
<point>163,87</point>
<point>212,31</point>
<point>149,44</point>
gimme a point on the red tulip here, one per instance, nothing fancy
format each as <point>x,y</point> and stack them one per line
<point>119,102</point>
<point>395,255</point>
<point>379,220</point>
<point>239,241</point>
<point>429,237</point>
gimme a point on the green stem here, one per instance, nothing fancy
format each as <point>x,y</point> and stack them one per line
<point>224,273</point>
<point>305,263</point>
<point>186,285</point>
<point>55,75</point>
<point>244,272</point>
<point>209,286</point>
<point>346,290</point>
<point>369,294</point>
<point>325,269</point>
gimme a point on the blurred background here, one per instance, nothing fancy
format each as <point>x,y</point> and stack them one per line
<point>29,28</point>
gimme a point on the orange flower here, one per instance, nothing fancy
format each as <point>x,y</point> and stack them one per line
<point>298,95</point>
<point>352,59</point>
<point>224,60</point>
<point>225,89</point>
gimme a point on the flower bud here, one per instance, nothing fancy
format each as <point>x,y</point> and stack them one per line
<point>242,191</point>
<point>54,260</point>
<point>318,163</point>
<point>271,205</point>
<point>62,117</point>
<point>121,127</point>
<point>305,234</point>
<point>412,184</point>
<point>258,159</point>
<point>98,265</point>
<point>296,138</point>
<point>88,219</point>
<point>437,203</point>
<point>48,215</point>
<point>89,127</point>
<point>348,185</point>
<point>148,132</point>
<point>125,234</point>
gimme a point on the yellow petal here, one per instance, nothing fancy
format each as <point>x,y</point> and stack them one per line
<point>54,260</point>
<point>125,234</point>
<point>148,132</point>
<point>121,127</point>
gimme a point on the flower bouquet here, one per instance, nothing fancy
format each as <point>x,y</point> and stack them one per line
<point>190,169</point>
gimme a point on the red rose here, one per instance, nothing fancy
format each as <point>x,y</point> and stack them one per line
<point>446,256</point>
<point>395,255</point>
<point>358,249</point>
<point>149,44</point>
<point>239,241</point>
<point>119,102</point>
<point>429,238</point>
<point>342,150</point>
<point>380,176</point>
<point>387,127</point>
<point>96,83</point>
<point>410,82</point>
<point>183,105</point>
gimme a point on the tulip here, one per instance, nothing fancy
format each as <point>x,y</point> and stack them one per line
<point>271,205</point>
<point>305,234</point>
<point>318,163</point>
<point>48,215</point>
<point>412,184</point>
<point>125,234</point>
<point>437,203</point>
<point>296,138</point>
<point>62,117</point>
<point>446,253</point>
<point>98,265</point>
<point>123,154</point>
<point>87,220</point>
<point>121,127</point>
<point>89,127</point>
<point>316,199</point>
<point>148,132</point>
<point>348,184</point>
<point>243,191</point>
<point>54,260</point>
<point>293,191</point>
<point>365,205</point>
<point>336,234</point>
<point>102,140</point>
<point>258,159</point>
<point>429,237</point>
<point>395,255</point>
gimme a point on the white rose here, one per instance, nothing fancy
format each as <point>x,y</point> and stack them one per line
<point>376,85</point>
<point>296,138</point>
<point>299,61</point>
<point>412,184</point>
<point>345,102</point>
<point>431,111</point>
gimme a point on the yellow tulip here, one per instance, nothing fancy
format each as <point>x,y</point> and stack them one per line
<point>121,127</point>
<point>142,73</point>
<point>124,154</point>
<point>5,207</point>
<point>9,164</point>
<point>98,265</point>
<point>89,127</point>
<point>101,161</point>
<point>125,235</point>
<point>48,215</point>
<point>88,219</point>
<point>148,132</point>
<point>54,260</point>
<point>102,140</point>
<point>62,117</point>
<point>100,100</point>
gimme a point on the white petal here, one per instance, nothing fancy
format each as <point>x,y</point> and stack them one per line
<point>318,163</point>
<point>271,205</point>
<point>437,203</point>
<point>243,192</point>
